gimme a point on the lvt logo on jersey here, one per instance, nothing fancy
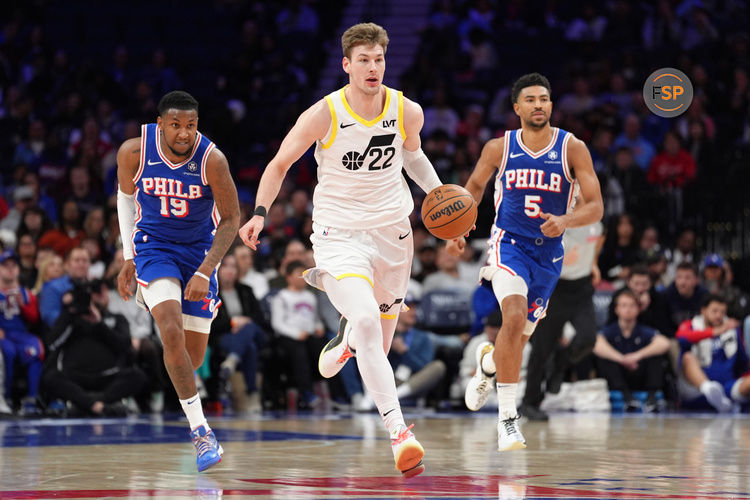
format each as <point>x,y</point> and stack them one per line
<point>379,148</point>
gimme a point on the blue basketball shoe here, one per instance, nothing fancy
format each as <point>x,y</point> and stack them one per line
<point>209,450</point>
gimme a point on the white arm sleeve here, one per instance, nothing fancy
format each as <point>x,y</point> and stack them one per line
<point>126,216</point>
<point>419,168</point>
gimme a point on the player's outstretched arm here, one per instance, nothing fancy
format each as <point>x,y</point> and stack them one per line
<point>489,161</point>
<point>128,157</point>
<point>589,207</point>
<point>416,164</point>
<point>225,197</point>
<point>311,126</point>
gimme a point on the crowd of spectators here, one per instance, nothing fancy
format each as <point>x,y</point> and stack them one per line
<point>73,87</point>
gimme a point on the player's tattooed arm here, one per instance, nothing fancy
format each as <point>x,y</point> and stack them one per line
<point>225,196</point>
<point>128,157</point>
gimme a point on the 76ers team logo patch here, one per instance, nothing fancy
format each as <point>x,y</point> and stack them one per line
<point>552,155</point>
<point>192,166</point>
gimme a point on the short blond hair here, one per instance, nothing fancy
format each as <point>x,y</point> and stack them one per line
<point>363,34</point>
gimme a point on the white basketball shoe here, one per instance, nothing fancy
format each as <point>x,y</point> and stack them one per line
<point>407,452</point>
<point>481,384</point>
<point>509,435</point>
<point>336,352</point>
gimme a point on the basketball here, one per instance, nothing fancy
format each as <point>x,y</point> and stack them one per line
<point>449,211</point>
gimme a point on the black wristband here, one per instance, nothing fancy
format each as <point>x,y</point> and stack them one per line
<point>260,210</point>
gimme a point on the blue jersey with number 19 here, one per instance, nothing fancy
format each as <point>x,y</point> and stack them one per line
<point>174,202</point>
<point>530,183</point>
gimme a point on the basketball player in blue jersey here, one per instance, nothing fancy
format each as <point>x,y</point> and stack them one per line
<point>179,213</point>
<point>538,171</point>
<point>365,135</point>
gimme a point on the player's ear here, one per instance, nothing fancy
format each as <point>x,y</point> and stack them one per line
<point>345,63</point>
<point>158,121</point>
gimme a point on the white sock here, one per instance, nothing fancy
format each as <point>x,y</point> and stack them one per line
<point>488,364</point>
<point>705,386</point>
<point>194,411</point>
<point>506,401</point>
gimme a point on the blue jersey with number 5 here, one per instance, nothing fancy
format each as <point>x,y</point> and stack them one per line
<point>528,184</point>
<point>173,200</point>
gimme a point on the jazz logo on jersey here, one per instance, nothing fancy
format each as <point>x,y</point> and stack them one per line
<point>162,186</point>
<point>532,178</point>
<point>379,148</point>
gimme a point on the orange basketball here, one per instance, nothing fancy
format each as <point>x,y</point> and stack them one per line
<point>449,211</point>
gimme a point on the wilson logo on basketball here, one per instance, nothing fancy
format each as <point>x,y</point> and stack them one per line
<point>446,211</point>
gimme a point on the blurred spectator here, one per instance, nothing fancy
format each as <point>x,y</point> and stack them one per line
<point>579,101</point>
<point>26,251</point>
<point>684,296</point>
<point>23,198</point>
<point>19,314</point>
<point>50,267</point>
<point>30,151</point>
<point>34,222</point>
<point>299,330</point>
<point>91,357</point>
<point>448,277</point>
<point>636,189</point>
<point>294,251</point>
<point>440,116</point>
<point>714,362</point>
<point>629,354</point>
<point>684,251</point>
<point>588,27</point>
<point>652,307</point>
<point>248,275</point>
<point>631,138</point>
<point>69,235</point>
<point>43,200</point>
<point>50,298</point>
<point>620,250</point>
<point>674,166</point>
<point>83,191</point>
<point>715,279</point>
<point>240,331</point>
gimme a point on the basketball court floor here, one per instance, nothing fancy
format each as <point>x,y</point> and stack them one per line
<point>348,456</point>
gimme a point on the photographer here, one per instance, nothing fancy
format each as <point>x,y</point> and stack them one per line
<point>90,352</point>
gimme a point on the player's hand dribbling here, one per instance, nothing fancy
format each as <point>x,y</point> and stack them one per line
<point>554,225</point>
<point>250,231</point>
<point>124,278</point>
<point>196,289</point>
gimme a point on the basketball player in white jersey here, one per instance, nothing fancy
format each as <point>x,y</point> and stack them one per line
<point>365,134</point>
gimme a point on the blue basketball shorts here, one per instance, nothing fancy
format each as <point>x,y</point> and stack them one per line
<point>161,259</point>
<point>538,262</point>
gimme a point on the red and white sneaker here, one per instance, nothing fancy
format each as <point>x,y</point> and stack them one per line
<point>336,352</point>
<point>407,452</point>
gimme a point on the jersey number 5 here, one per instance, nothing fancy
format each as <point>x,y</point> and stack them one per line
<point>531,205</point>
<point>179,206</point>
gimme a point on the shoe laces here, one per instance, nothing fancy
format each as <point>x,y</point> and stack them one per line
<point>402,436</point>
<point>346,355</point>
<point>203,444</point>
<point>510,425</point>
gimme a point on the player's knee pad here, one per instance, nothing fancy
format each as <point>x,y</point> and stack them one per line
<point>196,324</point>
<point>160,290</point>
<point>505,284</point>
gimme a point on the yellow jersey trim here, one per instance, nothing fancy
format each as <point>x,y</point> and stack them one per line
<point>359,118</point>
<point>354,275</point>
<point>334,123</point>
<point>388,316</point>
<point>401,115</point>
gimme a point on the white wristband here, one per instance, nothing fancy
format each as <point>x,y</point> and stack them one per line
<point>201,275</point>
